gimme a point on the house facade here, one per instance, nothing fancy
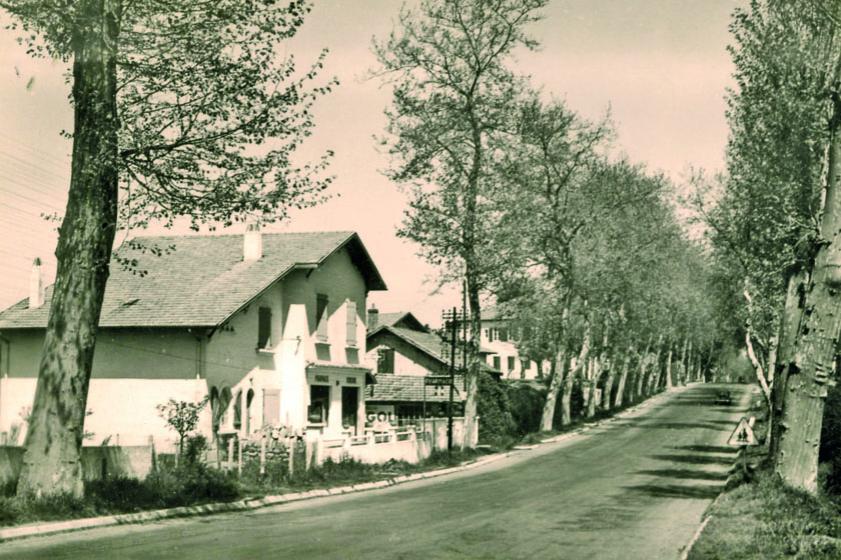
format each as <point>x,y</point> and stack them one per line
<point>499,337</point>
<point>402,353</point>
<point>269,328</point>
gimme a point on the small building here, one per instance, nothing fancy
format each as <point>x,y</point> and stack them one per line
<point>403,352</point>
<point>500,337</point>
<point>270,328</point>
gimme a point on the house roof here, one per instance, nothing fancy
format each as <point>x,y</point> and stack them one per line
<point>429,342</point>
<point>400,319</point>
<point>203,280</point>
<point>391,387</point>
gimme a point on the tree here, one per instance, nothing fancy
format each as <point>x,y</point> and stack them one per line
<point>181,109</point>
<point>452,95</point>
<point>182,417</point>
<point>770,221</point>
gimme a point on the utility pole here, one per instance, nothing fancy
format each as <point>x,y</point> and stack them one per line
<point>451,320</point>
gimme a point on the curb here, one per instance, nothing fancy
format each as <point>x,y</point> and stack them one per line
<point>44,529</point>
<point>52,528</point>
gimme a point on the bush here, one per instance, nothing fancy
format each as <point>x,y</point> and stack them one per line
<point>496,424</point>
<point>526,403</point>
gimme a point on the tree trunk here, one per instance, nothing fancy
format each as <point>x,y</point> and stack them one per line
<point>471,379</point>
<point>643,366</point>
<point>789,329</point>
<point>569,380</point>
<point>654,378</point>
<point>546,420</point>
<point>796,460</point>
<point>593,381</point>
<point>620,389</point>
<point>607,394</point>
<point>685,356</point>
<point>52,461</point>
<point>669,383</point>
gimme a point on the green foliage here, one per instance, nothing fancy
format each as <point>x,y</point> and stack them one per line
<point>183,418</point>
<point>830,451</point>
<point>526,403</point>
<point>765,519</point>
<point>211,108</point>
<point>496,425</point>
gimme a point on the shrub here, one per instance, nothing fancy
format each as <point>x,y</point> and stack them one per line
<point>830,450</point>
<point>496,425</point>
<point>526,403</point>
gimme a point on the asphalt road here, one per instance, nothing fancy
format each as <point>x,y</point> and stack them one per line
<point>634,488</point>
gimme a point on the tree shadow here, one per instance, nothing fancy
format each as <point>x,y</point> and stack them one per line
<point>706,448</point>
<point>685,474</point>
<point>694,459</point>
<point>695,492</point>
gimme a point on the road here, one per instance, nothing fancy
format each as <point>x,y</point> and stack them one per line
<point>634,488</point>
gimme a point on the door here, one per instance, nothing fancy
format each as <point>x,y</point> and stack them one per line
<point>350,407</point>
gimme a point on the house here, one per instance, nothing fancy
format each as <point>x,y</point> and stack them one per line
<point>402,352</point>
<point>269,327</point>
<point>499,337</point>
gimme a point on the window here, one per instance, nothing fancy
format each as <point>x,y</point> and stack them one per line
<point>496,363</point>
<point>385,360</point>
<point>264,327</point>
<point>351,323</point>
<point>524,366</point>
<point>238,410</point>
<point>319,404</point>
<point>510,363</point>
<point>321,317</point>
<point>503,335</point>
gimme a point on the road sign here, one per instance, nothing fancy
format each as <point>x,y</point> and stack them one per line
<point>743,434</point>
<point>436,380</point>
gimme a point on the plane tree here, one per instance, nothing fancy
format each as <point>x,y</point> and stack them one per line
<point>449,66</point>
<point>180,109</point>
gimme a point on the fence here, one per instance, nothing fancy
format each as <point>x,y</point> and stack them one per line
<point>410,443</point>
<point>98,462</point>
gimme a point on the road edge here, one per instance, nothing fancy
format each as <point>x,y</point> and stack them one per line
<point>73,525</point>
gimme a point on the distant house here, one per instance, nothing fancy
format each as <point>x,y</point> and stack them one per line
<point>269,327</point>
<point>402,352</point>
<point>499,337</point>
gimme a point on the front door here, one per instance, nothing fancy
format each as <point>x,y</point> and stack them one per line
<point>350,406</point>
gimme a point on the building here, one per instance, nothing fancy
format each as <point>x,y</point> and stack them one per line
<point>402,352</point>
<point>270,328</point>
<point>500,338</point>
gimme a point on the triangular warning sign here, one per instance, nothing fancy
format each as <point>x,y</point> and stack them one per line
<point>742,435</point>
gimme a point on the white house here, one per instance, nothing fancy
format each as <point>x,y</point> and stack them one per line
<point>269,327</point>
<point>499,337</point>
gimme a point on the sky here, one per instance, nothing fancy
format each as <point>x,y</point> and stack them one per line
<point>659,66</point>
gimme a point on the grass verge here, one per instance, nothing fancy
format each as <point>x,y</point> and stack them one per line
<point>764,519</point>
<point>198,484</point>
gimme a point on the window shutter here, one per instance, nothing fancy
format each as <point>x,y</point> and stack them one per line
<point>264,327</point>
<point>351,323</point>
<point>271,407</point>
<point>321,317</point>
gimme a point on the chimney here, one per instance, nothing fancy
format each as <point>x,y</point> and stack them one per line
<point>252,242</point>
<point>36,285</point>
<point>373,317</point>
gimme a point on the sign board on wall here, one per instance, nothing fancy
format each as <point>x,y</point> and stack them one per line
<point>382,413</point>
<point>436,380</point>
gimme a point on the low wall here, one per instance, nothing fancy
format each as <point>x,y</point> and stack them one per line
<point>410,443</point>
<point>97,462</point>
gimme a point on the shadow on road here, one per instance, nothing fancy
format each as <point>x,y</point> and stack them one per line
<point>694,459</point>
<point>706,448</point>
<point>695,492</point>
<point>685,474</point>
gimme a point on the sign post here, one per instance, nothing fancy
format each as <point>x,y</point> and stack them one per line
<point>743,437</point>
<point>451,320</point>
